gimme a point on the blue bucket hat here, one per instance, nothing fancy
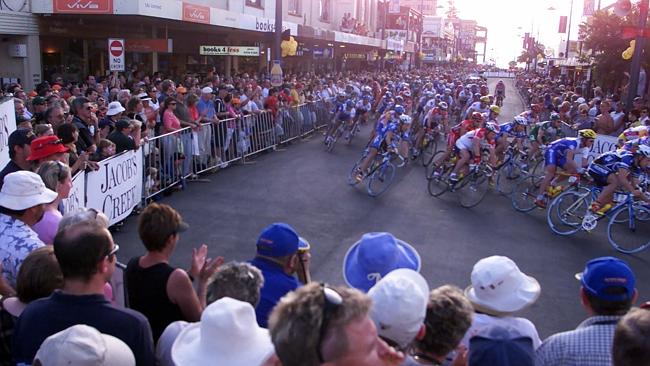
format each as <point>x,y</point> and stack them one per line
<point>374,256</point>
<point>277,240</point>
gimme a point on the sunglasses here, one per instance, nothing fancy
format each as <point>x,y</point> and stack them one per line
<point>332,300</point>
<point>113,251</point>
<point>172,103</point>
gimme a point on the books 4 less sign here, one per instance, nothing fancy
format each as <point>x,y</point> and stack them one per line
<point>229,51</point>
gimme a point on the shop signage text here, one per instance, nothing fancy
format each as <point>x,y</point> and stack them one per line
<point>229,51</point>
<point>196,13</point>
<point>83,6</point>
<point>323,52</point>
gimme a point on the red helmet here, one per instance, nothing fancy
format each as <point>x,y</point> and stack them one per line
<point>477,116</point>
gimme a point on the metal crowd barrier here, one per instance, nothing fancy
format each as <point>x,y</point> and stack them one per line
<point>170,159</point>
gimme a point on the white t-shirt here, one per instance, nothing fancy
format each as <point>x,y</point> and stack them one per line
<point>523,325</point>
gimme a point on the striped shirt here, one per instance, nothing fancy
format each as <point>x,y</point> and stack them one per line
<point>590,344</point>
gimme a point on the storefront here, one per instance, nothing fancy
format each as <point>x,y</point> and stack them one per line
<point>19,49</point>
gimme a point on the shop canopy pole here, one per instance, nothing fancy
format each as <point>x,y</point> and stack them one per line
<point>277,37</point>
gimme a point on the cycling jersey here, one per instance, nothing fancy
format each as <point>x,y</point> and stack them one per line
<point>633,145</point>
<point>466,141</point>
<point>346,115</point>
<point>382,133</point>
<point>550,133</point>
<point>529,116</point>
<point>634,133</point>
<point>508,130</point>
<point>610,162</point>
<point>467,125</point>
<point>363,107</point>
<point>557,151</point>
<point>476,107</point>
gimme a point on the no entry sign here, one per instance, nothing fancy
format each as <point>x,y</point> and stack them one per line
<point>116,54</point>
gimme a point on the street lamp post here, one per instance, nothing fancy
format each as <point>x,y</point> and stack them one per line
<point>635,69</point>
<point>277,36</point>
<point>568,32</point>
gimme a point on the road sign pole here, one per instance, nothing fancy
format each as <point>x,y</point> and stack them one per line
<point>636,58</point>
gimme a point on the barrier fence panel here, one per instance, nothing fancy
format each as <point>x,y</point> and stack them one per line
<point>323,114</point>
<point>261,132</point>
<point>291,122</point>
<point>164,160</point>
<point>308,117</point>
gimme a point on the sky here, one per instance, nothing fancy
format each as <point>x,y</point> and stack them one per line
<point>508,20</point>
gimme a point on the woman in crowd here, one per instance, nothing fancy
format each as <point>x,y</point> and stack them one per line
<point>56,177</point>
<point>105,149</point>
<point>134,109</point>
<point>68,133</point>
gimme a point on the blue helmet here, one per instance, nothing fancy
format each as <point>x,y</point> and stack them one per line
<point>399,109</point>
<point>349,104</point>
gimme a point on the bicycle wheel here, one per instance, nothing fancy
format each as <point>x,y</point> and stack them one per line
<point>524,193</point>
<point>352,176</point>
<point>507,178</point>
<point>565,213</point>
<point>473,189</point>
<point>536,167</point>
<point>438,181</point>
<point>428,152</point>
<point>628,230</point>
<point>381,179</point>
<point>436,161</point>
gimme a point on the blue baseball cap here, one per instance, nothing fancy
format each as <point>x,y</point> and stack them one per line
<point>277,240</point>
<point>604,273</point>
<point>374,256</point>
<point>503,346</point>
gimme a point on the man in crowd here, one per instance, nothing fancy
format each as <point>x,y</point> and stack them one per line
<point>19,150</point>
<point>121,136</point>
<point>607,293</point>
<point>87,256</point>
<point>322,325</point>
<point>278,259</point>
<point>22,201</point>
<point>86,122</point>
<point>632,338</point>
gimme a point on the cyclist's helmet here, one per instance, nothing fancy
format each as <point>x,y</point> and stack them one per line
<point>407,94</point>
<point>341,95</point>
<point>447,91</point>
<point>555,116</point>
<point>477,95</point>
<point>477,116</point>
<point>399,99</point>
<point>485,99</point>
<point>405,119</point>
<point>443,106</point>
<point>399,109</point>
<point>519,120</point>
<point>367,98</point>
<point>587,134</point>
<point>349,104</point>
<point>643,150</point>
<point>495,109</point>
<point>492,127</point>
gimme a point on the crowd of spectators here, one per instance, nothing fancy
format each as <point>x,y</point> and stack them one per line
<point>350,24</point>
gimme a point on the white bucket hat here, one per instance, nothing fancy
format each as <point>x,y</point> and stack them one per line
<point>227,334</point>
<point>499,287</point>
<point>82,345</point>
<point>399,305</point>
<point>114,108</point>
<point>24,189</point>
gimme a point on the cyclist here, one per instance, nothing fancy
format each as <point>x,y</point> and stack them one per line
<point>437,117</point>
<point>545,133</point>
<point>362,108</point>
<point>633,145</point>
<point>403,135</point>
<point>560,154</point>
<point>469,146</point>
<point>385,138</point>
<point>633,133</point>
<point>493,114</point>
<point>515,129</point>
<point>482,106</point>
<point>344,115</point>
<point>500,92</point>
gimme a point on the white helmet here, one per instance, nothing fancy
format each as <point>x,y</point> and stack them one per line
<point>643,150</point>
<point>519,120</point>
<point>443,106</point>
<point>406,119</point>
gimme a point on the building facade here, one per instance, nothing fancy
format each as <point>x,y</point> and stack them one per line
<point>20,56</point>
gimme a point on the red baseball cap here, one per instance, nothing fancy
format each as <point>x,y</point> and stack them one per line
<point>45,146</point>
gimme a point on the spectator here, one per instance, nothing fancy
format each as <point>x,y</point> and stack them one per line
<point>83,345</point>
<point>47,148</point>
<point>44,129</point>
<point>399,307</point>
<point>239,281</point>
<point>161,292</point>
<point>583,119</point>
<point>21,111</point>
<point>87,123</point>
<point>38,277</point>
<point>632,338</point>
<point>498,290</point>
<point>113,115</point>
<point>366,262</point>
<point>121,136</point>
<point>39,105</point>
<point>226,335</point>
<point>87,257</point>
<point>57,178</point>
<point>633,118</point>
<point>277,257</point>
<point>105,149</point>
<point>19,144</point>
<point>318,324</point>
<point>55,116</point>
<point>22,201</point>
<point>503,346</point>
<point>134,109</point>
<point>607,293</point>
<point>69,135</point>
<point>448,317</point>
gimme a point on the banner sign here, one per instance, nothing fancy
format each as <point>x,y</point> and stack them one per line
<point>229,51</point>
<point>7,126</point>
<point>562,27</point>
<point>83,7</point>
<point>116,188</point>
<point>588,8</point>
<point>323,52</point>
<point>77,197</point>
<point>196,13</point>
<point>602,144</point>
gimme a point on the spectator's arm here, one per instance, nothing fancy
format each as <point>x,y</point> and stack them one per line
<point>5,288</point>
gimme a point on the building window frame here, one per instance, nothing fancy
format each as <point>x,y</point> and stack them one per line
<point>294,10</point>
<point>325,11</point>
<point>259,4</point>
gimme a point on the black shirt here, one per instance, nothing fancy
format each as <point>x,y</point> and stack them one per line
<point>85,139</point>
<point>121,141</point>
<point>11,167</point>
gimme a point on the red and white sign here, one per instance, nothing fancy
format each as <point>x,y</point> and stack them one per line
<point>83,6</point>
<point>196,13</point>
<point>116,54</point>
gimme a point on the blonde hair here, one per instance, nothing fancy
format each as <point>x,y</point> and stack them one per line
<point>52,173</point>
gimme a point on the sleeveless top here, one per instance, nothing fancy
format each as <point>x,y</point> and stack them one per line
<point>147,291</point>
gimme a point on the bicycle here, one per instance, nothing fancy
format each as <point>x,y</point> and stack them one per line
<point>330,142</point>
<point>525,192</point>
<point>430,145</point>
<point>634,229</point>
<point>511,170</point>
<point>473,187</point>
<point>499,100</point>
<point>381,174</point>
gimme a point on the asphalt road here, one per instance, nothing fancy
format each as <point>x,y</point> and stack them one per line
<point>306,187</point>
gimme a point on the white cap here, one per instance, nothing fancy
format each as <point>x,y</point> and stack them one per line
<point>81,345</point>
<point>581,100</point>
<point>499,287</point>
<point>206,90</point>
<point>114,108</point>
<point>399,305</point>
<point>24,189</point>
<point>227,334</point>
<point>144,97</point>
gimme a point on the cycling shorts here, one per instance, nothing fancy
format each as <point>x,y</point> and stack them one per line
<point>457,152</point>
<point>551,157</point>
<point>599,173</point>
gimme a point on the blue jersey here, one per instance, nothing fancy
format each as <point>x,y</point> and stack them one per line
<point>508,129</point>
<point>391,126</point>
<point>615,160</point>
<point>561,146</point>
<point>633,145</point>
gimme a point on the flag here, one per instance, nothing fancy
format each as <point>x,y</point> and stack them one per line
<point>526,39</point>
<point>587,8</point>
<point>562,28</point>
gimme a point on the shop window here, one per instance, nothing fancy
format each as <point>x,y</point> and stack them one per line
<point>324,10</point>
<point>255,3</point>
<point>294,7</point>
